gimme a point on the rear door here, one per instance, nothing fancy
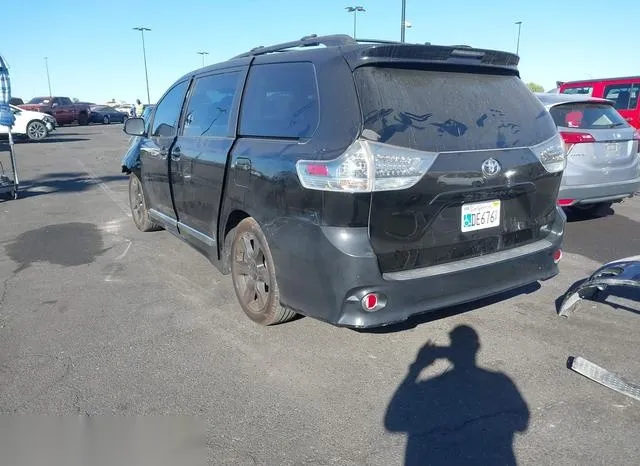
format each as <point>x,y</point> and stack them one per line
<point>600,144</point>
<point>626,100</point>
<point>485,192</point>
<point>154,152</point>
<point>199,157</point>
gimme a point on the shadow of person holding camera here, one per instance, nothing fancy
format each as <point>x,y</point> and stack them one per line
<point>466,415</point>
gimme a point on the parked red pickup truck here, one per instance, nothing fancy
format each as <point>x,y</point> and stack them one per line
<point>61,108</point>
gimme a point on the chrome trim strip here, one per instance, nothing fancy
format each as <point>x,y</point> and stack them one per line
<point>471,263</point>
<point>208,240</point>
<point>162,218</point>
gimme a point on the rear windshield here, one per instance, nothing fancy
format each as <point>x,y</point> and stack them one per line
<point>587,116</point>
<point>450,111</point>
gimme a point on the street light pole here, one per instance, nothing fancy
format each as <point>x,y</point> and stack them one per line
<point>144,55</point>
<point>403,20</point>
<point>46,64</point>
<point>355,10</point>
<point>519,23</point>
<point>203,54</point>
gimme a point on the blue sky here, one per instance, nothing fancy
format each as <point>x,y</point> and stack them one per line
<point>95,55</point>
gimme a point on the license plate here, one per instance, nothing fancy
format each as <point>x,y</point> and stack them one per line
<point>480,215</point>
<point>612,148</point>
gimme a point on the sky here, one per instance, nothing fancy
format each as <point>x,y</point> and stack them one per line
<point>95,55</point>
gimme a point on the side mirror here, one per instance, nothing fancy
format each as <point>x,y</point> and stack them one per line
<point>54,105</point>
<point>134,127</point>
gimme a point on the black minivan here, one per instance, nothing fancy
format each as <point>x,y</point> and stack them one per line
<point>355,182</point>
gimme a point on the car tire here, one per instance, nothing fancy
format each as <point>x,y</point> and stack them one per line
<point>138,205</point>
<point>83,119</point>
<point>37,130</point>
<point>106,120</point>
<point>254,277</point>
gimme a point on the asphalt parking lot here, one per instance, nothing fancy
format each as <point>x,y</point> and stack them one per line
<point>99,318</point>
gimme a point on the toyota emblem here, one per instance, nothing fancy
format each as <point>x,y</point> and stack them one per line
<point>491,167</point>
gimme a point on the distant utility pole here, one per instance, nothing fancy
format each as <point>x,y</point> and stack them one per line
<point>46,65</point>
<point>403,20</point>
<point>519,23</point>
<point>144,56</point>
<point>355,10</point>
<point>203,54</point>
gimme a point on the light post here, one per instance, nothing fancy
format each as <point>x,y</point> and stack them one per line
<point>203,54</point>
<point>403,20</point>
<point>144,55</point>
<point>355,10</point>
<point>46,65</point>
<point>519,23</point>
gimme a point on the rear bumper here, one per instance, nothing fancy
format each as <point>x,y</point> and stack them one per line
<point>338,268</point>
<point>594,193</point>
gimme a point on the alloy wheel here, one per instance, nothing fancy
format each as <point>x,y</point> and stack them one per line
<point>251,274</point>
<point>36,130</point>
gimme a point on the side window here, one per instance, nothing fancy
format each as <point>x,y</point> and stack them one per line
<point>578,90</point>
<point>210,105</point>
<point>281,100</point>
<point>65,101</point>
<point>625,96</point>
<point>167,114</point>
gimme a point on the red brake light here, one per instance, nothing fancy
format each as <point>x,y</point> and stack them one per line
<point>317,170</point>
<point>576,138</point>
<point>565,202</point>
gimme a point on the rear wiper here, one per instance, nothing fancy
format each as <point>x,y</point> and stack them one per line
<point>615,125</point>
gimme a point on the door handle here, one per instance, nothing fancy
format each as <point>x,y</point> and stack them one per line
<point>243,164</point>
<point>176,153</point>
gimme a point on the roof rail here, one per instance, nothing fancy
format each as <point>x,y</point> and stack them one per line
<point>307,41</point>
<point>378,41</point>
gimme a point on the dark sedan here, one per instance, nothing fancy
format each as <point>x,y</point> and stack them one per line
<point>106,115</point>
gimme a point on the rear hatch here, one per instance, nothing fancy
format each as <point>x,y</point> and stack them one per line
<point>485,189</point>
<point>601,146</point>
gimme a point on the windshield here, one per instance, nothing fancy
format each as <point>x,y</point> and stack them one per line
<point>450,111</point>
<point>39,100</point>
<point>587,115</point>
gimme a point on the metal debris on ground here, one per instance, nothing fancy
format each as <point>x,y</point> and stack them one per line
<point>604,377</point>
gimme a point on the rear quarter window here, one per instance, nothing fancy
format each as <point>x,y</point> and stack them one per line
<point>281,101</point>
<point>450,111</point>
<point>580,90</point>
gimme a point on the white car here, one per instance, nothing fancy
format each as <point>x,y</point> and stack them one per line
<point>33,125</point>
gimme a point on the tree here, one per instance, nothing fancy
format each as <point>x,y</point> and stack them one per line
<point>534,87</point>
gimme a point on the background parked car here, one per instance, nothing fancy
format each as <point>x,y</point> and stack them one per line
<point>624,92</point>
<point>34,125</point>
<point>106,115</point>
<point>61,108</point>
<point>603,154</point>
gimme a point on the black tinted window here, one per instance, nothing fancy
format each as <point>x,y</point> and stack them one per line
<point>445,111</point>
<point>281,100</point>
<point>210,105</point>
<point>585,90</point>
<point>167,113</point>
<point>587,116</point>
<point>625,96</point>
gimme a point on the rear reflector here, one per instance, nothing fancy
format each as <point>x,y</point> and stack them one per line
<point>317,170</point>
<point>565,202</point>
<point>576,138</point>
<point>557,255</point>
<point>373,302</point>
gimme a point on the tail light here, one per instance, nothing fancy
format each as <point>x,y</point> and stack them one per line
<point>571,139</point>
<point>552,154</point>
<point>636,137</point>
<point>565,202</point>
<point>366,166</point>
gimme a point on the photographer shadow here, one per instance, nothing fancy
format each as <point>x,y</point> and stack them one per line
<point>466,415</point>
